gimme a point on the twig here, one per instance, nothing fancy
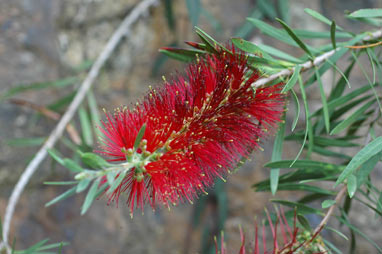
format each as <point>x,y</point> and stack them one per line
<point>325,220</point>
<point>309,64</point>
<point>122,30</point>
<point>73,134</point>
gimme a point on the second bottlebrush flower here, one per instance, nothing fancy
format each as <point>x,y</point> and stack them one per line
<point>197,128</point>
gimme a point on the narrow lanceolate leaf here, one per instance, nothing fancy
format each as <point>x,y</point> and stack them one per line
<point>278,53</point>
<point>364,171</point>
<point>304,222</point>
<point>95,118</point>
<point>320,17</point>
<point>82,185</point>
<point>366,13</point>
<point>86,128</point>
<point>324,102</point>
<point>295,38</point>
<point>333,34</point>
<point>63,196</point>
<point>272,31</point>
<point>61,183</point>
<point>26,141</point>
<point>139,137</point>
<point>116,182</point>
<point>351,119</point>
<point>72,165</point>
<point>184,55</point>
<point>360,158</point>
<point>94,161</point>
<point>38,86</point>
<point>318,165</point>
<point>292,81</point>
<point>248,46</point>
<point>92,194</point>
<point>297,111</point>
<point>352,185</point>
<point>301,208</point>
<point>277,155</point>
<point>297,187</point>
<point>56,156</point>
<point>327,203</point>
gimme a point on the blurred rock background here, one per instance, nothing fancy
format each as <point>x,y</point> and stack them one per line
<point>45,40</point>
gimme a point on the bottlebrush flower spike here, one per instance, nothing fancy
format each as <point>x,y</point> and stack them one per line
<point>197,128</point>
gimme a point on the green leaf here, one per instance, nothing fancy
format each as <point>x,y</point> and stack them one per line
<point>301,208</point>
<point>209,42</point>
<point>72,165</point>
<point>316,165</point>
<point>83,184</point>
<point>61,183</point>
<point>324,102</point>
<point>272,31</point>
<point>248,46</point>
<point>117,182</point>
<point>361,157</point>
<point>332,246</point>
<point>297,111</point>
<point>337,232</point>
<point>193,7</point>
<point>292,81</point>
<point>87,132</point>
<point>139,137</point>
<point>184,55</point>
<point>364,171</point>
<point>295,38</point>
<point>278,53</point>
<point>341,100</point>
<point>26,141</point>
<point>297,187</point>
<point>56,156</point>
<point>333,34</point>
<point>92,194</point>
<point>95,118</point>
<point>304,222</point>
<point>366,13</point>
<point>38,86</point>
<point>277,155</point>
<point>62,102</point>
<point>328,203</point>
<point>63,196</point>
<point>94,161</point>
<point>352,118</point>
<point>329,153</point>
<point>352,185</point>
<point>308,34</point>
<point>308,124</point>
<point>111,177</point>
<point>319,17</point>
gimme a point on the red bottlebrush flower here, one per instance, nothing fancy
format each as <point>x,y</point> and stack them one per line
<point>197,129</point>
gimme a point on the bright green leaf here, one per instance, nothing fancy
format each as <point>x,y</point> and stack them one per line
<point>366,13</point>
<point>327,203</point>
<point>63,196</point>
<point>360,158</point>
<point>92,194</point>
